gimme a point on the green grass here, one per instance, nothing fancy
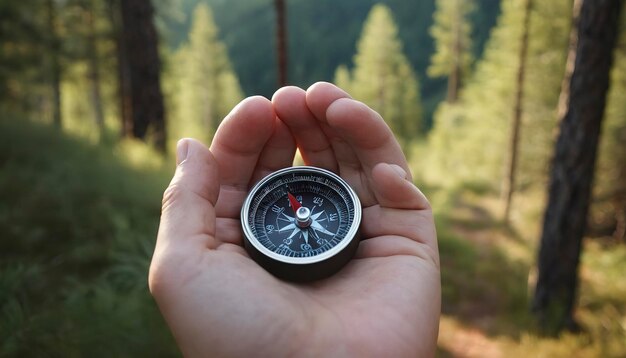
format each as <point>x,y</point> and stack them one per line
<point>487,269</point>
<point>77,225</point>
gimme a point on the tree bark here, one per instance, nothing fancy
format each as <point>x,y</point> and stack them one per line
<point>281,41</point>
<point>123,76</point>
<point>454,79</point>
<point>55,66</point>
<point>581,109</point>
<point>141,47</point>
<point>94,69</point>
<point>509,183</point>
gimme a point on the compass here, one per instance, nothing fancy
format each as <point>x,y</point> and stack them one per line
<point>301,223</point>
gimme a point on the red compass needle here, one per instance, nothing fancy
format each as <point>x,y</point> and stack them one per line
<point>295,205</point>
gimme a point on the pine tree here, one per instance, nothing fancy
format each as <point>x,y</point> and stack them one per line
<point>141,46</point>
<point>342,78</point>
<point>451,31</point>
<point>383,78</point>
<point>281,41</point>
<point>208,87</point>
<point>609,207</point>
<point>479,122</point>
<point>581,110</point>
<point>508,185</point>
<point>54,63</point>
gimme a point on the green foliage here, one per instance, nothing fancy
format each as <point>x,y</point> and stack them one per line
<point>321,36</point>
<point>468,138</point>
<point>383,78</point>
<point>207,87</point>
<point>78,226</point>
<point>22,43</point>
<point>451,31</point>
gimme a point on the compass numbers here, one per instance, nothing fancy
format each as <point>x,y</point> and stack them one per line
<point>318,201</point>
<point>332,217</point>
<point>277,209</point>
<point>269,228</point>
<point>321,242</point>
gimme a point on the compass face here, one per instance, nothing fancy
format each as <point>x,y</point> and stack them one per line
<point>301,215</point>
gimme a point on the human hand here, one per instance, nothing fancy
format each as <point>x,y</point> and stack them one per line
<point>218,302</point>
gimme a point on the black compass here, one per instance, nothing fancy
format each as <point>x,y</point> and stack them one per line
<point>301,223</point>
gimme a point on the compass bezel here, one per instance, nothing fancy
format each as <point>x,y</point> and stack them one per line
<point>350,236</point>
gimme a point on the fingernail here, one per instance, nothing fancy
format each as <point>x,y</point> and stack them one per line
<point>398,169</point>
<point>182,147</point>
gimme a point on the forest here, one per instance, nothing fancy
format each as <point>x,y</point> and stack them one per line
<point>512,114</point>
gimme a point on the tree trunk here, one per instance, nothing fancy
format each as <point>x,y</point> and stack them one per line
<point>281,41</point>
<point>123,72</point>
<point>94,69</point>
<point>509,183</point>
<point>581,109</point>
<point>141,48</point>
<point>55,66</point>
<point>454,79</point>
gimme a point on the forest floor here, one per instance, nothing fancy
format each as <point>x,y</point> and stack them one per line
<point>488,279</point>
<point>78,222</point>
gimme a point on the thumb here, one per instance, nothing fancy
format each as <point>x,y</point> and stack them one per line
<point>188,209</point>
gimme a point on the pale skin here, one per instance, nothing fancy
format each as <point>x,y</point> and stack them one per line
<point>219,303</point>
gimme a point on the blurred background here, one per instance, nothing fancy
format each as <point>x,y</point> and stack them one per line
<point>95,93</point>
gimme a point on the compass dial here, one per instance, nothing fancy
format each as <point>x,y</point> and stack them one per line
<point>301,223</point>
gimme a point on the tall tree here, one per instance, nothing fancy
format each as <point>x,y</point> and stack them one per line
<point>207,86</point>
<point>383,78</point>
<point>342,78</point>
<point>281,41</point>
<point>122,69</point>
<point>141,48</point>
<point>477,123</point>
<point>509,179</point>
<point>581,109</point>
<point>608,211</point>
<point>94,66</point>
<point>54,63</point>
<point>451,31</point>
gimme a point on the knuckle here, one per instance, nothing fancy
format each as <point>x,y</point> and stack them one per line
<point>172,194</point>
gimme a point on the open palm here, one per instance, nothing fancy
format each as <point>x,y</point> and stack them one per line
<point>218,302</point>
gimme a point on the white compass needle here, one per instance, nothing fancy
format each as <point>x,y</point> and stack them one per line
<point>317,226</point>
<point>317,215</point>
<point>288,217</point>
<point>288,227</point>
<point>293,233</point>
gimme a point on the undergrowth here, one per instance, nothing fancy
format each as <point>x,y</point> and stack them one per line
<point>77,226</point>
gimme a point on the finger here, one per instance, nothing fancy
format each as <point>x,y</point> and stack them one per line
<point>402,211</point>
<point>188,215</point>
<point>318,98</point>
<point>237,145</point>
<point>367,134</point>
<point>291,107</point>
<point>415,224</point>
<point>390,245</point>
<point>228,230</point>
<point>278,152</point>
<point>393,188</point>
